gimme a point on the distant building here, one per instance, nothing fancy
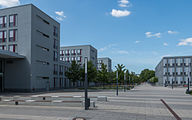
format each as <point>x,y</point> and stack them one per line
<point>174,69</point>
<point>106,61</point>
<point>29,55</point>
<point>78,53</point>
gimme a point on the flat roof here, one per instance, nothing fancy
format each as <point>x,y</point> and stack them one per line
<point>10,55</point>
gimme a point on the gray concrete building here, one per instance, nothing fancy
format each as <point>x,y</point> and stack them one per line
<point>29,55</point>
<point>176,70</point>
<point>78,53</point>
<point>106,61</point>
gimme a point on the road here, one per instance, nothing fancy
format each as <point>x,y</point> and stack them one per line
<point>141,103</point>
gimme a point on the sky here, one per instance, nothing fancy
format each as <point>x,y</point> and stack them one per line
<point>136,33</point>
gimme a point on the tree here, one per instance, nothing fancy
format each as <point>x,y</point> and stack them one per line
<point>103,75</point>
<point>146,74</point>
<point>120,69</point>
<point>73,74</point>
<point>153,80</point>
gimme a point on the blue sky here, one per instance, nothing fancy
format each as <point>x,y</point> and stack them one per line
<point>136,33</point>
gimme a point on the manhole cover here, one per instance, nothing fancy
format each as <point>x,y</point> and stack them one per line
<point>79,118</point>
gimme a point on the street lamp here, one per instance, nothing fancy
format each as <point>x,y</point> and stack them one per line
<point>172,82</point>
<point>124,80</point>
<point>87,101</point>
<point>117,83</point>
<point>189,77</point>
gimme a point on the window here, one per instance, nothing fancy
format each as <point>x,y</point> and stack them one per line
<point>3,21</point>
<point>13,48</point>
<point>79,51</point>
<point>13,20</point>
<point>43,20</point>
<point>73,59</point>
<point>67,59</point>
<point>43,62</point>
<point>3,47</point>
<point>67,52</point>
<point>55,32</point>
<point>164,71</point>
<point>55,69</point>
<point>3,36</point>
<point>79,59</point>
<point>12,35</point>
<point>45,35</point>
<point>61,52</point>
<point>164,62</point>
<point>187,61</point>
<point>43,48</point>
<point>55,45</point>
<point>55,56</point>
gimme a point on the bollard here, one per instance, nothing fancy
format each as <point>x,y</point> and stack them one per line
<point>43,98</point>
<point>16,103</point>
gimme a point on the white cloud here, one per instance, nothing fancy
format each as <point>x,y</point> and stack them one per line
<point>122,52</point>
<point>165,44</point>
<point>123,3</point>
<point>150,34</point>
<point>60,16</point>
<point>172,32</point>
<point>120,13</point>
<point>137,41</point>
<point>9,3</point>
<point>106,47</point>
<point>185,42</point>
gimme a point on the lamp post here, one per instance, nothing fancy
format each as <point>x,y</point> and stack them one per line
<point>172,82</point>
<point>117,83</point>
<point>129,82</point>
<point>189,77</point>
<point>86,86</point>
<point>124,81</point>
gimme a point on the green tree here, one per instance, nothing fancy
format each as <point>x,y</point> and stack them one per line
<point>146,74</point>
<point>73,74</point>
<point>120,69</point>
<point>102,75</point>
<point>153,80</point>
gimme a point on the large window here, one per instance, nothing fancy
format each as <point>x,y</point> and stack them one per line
<point>3,36</point>
<point>13,20</point>
<point>3,21</point>
<point>13,48</point>
<point>12,35</point>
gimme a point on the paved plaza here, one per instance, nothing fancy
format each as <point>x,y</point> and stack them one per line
<point>141,103</point>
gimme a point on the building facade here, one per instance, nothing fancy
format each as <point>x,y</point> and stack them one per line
<point>29,56</point>
<point>106,61</point>
<point>174,70</point>
<point>78,53</point>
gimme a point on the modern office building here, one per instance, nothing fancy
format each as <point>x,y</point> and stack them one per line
<point>174,70</point>
<point>78,53</point>
<point>29,55</point>
<point>106,61</point>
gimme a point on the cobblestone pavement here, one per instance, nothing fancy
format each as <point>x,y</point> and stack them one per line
<point>141,103</point>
